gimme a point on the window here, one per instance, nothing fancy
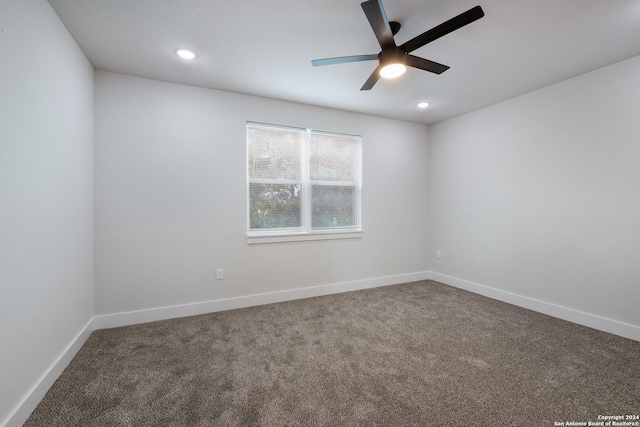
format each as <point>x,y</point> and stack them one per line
<point>302,184</point>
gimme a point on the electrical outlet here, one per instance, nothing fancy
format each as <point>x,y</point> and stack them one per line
<point>439,254</point>
<point>219,274</point>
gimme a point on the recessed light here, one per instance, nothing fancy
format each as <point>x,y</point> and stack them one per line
<point>186,54</point>
<point>422,105</point>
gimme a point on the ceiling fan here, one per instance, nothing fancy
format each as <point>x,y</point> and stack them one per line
<point>393,59</point>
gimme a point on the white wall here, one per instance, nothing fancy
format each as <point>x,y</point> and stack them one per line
<point>171,198</point>
<point>540,195</point>
<point>46,196</point>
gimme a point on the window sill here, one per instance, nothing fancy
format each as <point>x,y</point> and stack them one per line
<point>260,237</point>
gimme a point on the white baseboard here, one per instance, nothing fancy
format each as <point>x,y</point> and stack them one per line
<point>581,318</point>
<point>164,313</point>
<point>35,395</point>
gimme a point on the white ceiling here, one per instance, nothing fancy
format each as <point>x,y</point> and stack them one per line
<point>265,47</point>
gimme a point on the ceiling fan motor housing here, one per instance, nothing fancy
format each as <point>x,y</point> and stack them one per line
<point>393,55</point>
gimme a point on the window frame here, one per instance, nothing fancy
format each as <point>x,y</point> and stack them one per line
<point>306,231</point>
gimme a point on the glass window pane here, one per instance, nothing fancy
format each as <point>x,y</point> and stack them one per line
<point>332,157</point>
<point>273,153</point>
<point>332,206</point>
<point>274,206</point>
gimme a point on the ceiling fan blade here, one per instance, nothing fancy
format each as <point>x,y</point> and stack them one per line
<point>343,59</point>
<point>425,64</point>
<point>379,23</point>
<point>373,78</point>
<point>443,29</point>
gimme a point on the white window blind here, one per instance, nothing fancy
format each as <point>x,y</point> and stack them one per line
<point>302,183</point>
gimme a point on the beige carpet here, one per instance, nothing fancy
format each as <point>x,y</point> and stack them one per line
<point>418,354</point>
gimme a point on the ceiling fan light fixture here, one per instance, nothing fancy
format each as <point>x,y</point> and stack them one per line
<point>186,54</point>
<point>391,71</point>
<point>422,105</point>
